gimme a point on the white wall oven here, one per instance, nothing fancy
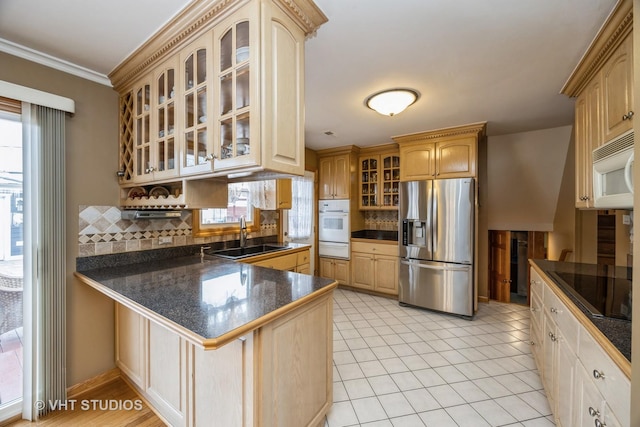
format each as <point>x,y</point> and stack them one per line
<point>333,228</point>
<point>613,173</point>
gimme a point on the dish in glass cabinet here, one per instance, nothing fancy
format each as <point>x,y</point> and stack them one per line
<point>158,192</point>
<point>242,53</point>
<point>136,192</point>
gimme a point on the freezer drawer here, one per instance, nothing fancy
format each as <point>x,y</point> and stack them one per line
<point>438,286</point>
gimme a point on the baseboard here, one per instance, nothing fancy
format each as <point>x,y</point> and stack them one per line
<point>92,383</point>
<point>367,291</point>
<point>483,299</point>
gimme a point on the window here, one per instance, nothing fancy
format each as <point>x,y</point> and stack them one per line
<point>216,221</point>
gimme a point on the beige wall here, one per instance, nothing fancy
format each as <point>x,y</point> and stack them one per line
<point>525,173</point>
<point>91,163</point>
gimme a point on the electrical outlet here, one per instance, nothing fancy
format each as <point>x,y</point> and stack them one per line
<point>626,219</point>
<point>164,240</point>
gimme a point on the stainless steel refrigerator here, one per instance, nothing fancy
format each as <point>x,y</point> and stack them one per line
<point>436,226</point>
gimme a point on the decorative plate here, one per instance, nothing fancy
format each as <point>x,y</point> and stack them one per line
<point>158,191</point>
<point>136,192</point>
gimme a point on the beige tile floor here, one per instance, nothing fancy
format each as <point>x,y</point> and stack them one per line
<point>400,366</point>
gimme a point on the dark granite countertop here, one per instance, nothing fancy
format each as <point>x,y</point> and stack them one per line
<point>209,301</point>
<point>617,331</point>
<point>375,234</point>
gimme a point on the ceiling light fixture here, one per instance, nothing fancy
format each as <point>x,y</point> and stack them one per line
<point>392,101</point>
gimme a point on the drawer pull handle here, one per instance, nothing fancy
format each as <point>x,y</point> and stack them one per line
<point>599,423</point>
<point>598,375</point>
<point>593,412</point>
<point>553,310</point>
<point>532,342</point>
<point>553,337</point>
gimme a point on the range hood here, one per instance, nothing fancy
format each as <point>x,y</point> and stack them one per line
<point>150,214</point>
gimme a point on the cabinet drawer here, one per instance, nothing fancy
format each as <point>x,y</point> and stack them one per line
<point>284,262</point>
<point>375,248</point>
<point>613,384</point>
<point>536,283</point>
<point>536,311</point>
<point>303,258</point>
<point>564,319</point>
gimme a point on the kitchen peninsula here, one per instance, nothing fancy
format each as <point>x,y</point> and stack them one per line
<point>207,340</point>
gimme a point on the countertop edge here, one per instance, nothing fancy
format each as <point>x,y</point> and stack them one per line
<point>211,343</point>
<point>618,358</point>
<point>273,254</point>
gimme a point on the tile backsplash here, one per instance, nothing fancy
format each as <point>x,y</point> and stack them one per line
<point>102,231</point>
<point>381,220</point>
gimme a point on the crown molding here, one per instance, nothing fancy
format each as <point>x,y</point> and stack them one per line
<point>473,129</point>
<point>52,62</point>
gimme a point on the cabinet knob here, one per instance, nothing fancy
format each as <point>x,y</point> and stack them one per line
<point>532,342</point>
<point>599,423</point>
<point>120,173</point>
<point>210,157</point>
<point>553,337</point>
<point>553,310</point>
<point>593,412</point>
<point>149,169</point>
<point>627,116</point>
<point>598,374</point>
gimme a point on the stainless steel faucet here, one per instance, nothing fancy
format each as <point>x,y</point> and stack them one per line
<point>243,232</point>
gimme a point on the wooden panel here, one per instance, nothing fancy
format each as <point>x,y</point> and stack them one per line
<point>617,77</point>
<point>342,176</point>
<point>284,262</point>
<point>325,178</point>
<point>166,374</point>
<point>456,158</point>
<point>417,161</point>
<point>387,274</point>
<point>297,366</point>
<point>130,343</point>
<point>341,271</point>
<point>375,248</point>
<point>283,193</point>
<point>363,270</point>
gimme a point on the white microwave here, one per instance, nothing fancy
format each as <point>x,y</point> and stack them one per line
<point>613,173</point>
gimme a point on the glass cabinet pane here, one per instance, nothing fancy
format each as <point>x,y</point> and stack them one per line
<point>161,123</point>
<point>226,90</point>
<point>170,119</point>
<point>202,66</point>
<point>202,105</point>
<point>188,73</point>
<point>145,130</point>
<point>189,110</point>
<point>202,146</point>
<point>242,135</point>
<point>242,42</point>
<point>226,49</point>
<point>171,158</point>
<point>161,97</point>
<point>226,137</point>
<point>189,151</point>
<point>161,156</point>
<point>242,88</point>
<point>171,88</point>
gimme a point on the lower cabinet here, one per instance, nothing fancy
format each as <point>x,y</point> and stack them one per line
<point>298,262</point>
<point>375,266</point>
<point>583,384</point>
<point>336,269</point>
<point>278,375</point>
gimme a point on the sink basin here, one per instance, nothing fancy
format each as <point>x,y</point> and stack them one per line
<point>238,253</point>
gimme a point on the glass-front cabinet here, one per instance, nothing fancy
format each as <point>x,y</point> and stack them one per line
<point>237,143</point>
<point>379,180</point>
<point>217,93</point>
<point>197,152</point>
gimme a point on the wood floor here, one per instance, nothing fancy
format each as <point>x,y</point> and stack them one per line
<point>118,391</point>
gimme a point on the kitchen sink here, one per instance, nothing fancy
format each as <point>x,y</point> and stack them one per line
<point>238,253</point>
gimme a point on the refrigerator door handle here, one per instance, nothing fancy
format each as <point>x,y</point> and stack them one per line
<point>435,267</point>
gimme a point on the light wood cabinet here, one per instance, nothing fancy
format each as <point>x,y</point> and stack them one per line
<point>582,382</point>
<point>603,86</point>
<point>280,374</point>
<point>588,132</point>
<point>336,269</point>
<point>218,90</point>
<point>334,177</point>
<point>444,153</point>
<point>271,194</point>
<point>617,82</point>
<point>288,262</point>
<point>375,266</point>
<point>379,180</point>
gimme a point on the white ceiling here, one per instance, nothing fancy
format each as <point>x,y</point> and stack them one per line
<point>500,61</point>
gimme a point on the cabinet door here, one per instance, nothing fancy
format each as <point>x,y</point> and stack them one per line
<point>196,67</point>
<point>341,271</point>
<point>588,136</point>
<point>363,274</point>
<point>565,383</point>
<point>325,178</point>
<point>143,171</point>
<point>342,176</point>
<point>549,358</point>
<point>390,181</point>
<point>589,404</point>
<point>369,180</point>
<point>386,274</point>
<point>417,161</point>
<point>237,136</point>
<point>284,197</point>
<point>326,268</point>
<point>164,144</point>
<point>126,148</point>
<point>617,76</point>
<point>456,158</point>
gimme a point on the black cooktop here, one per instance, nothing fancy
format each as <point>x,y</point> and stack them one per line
<point>603,293</point>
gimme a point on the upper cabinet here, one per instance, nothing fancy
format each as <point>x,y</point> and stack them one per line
<point>217,91</point>
<point>334,174</point>
<point>443,153</point>
<point>603,86</point>
<point>379,178</point>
